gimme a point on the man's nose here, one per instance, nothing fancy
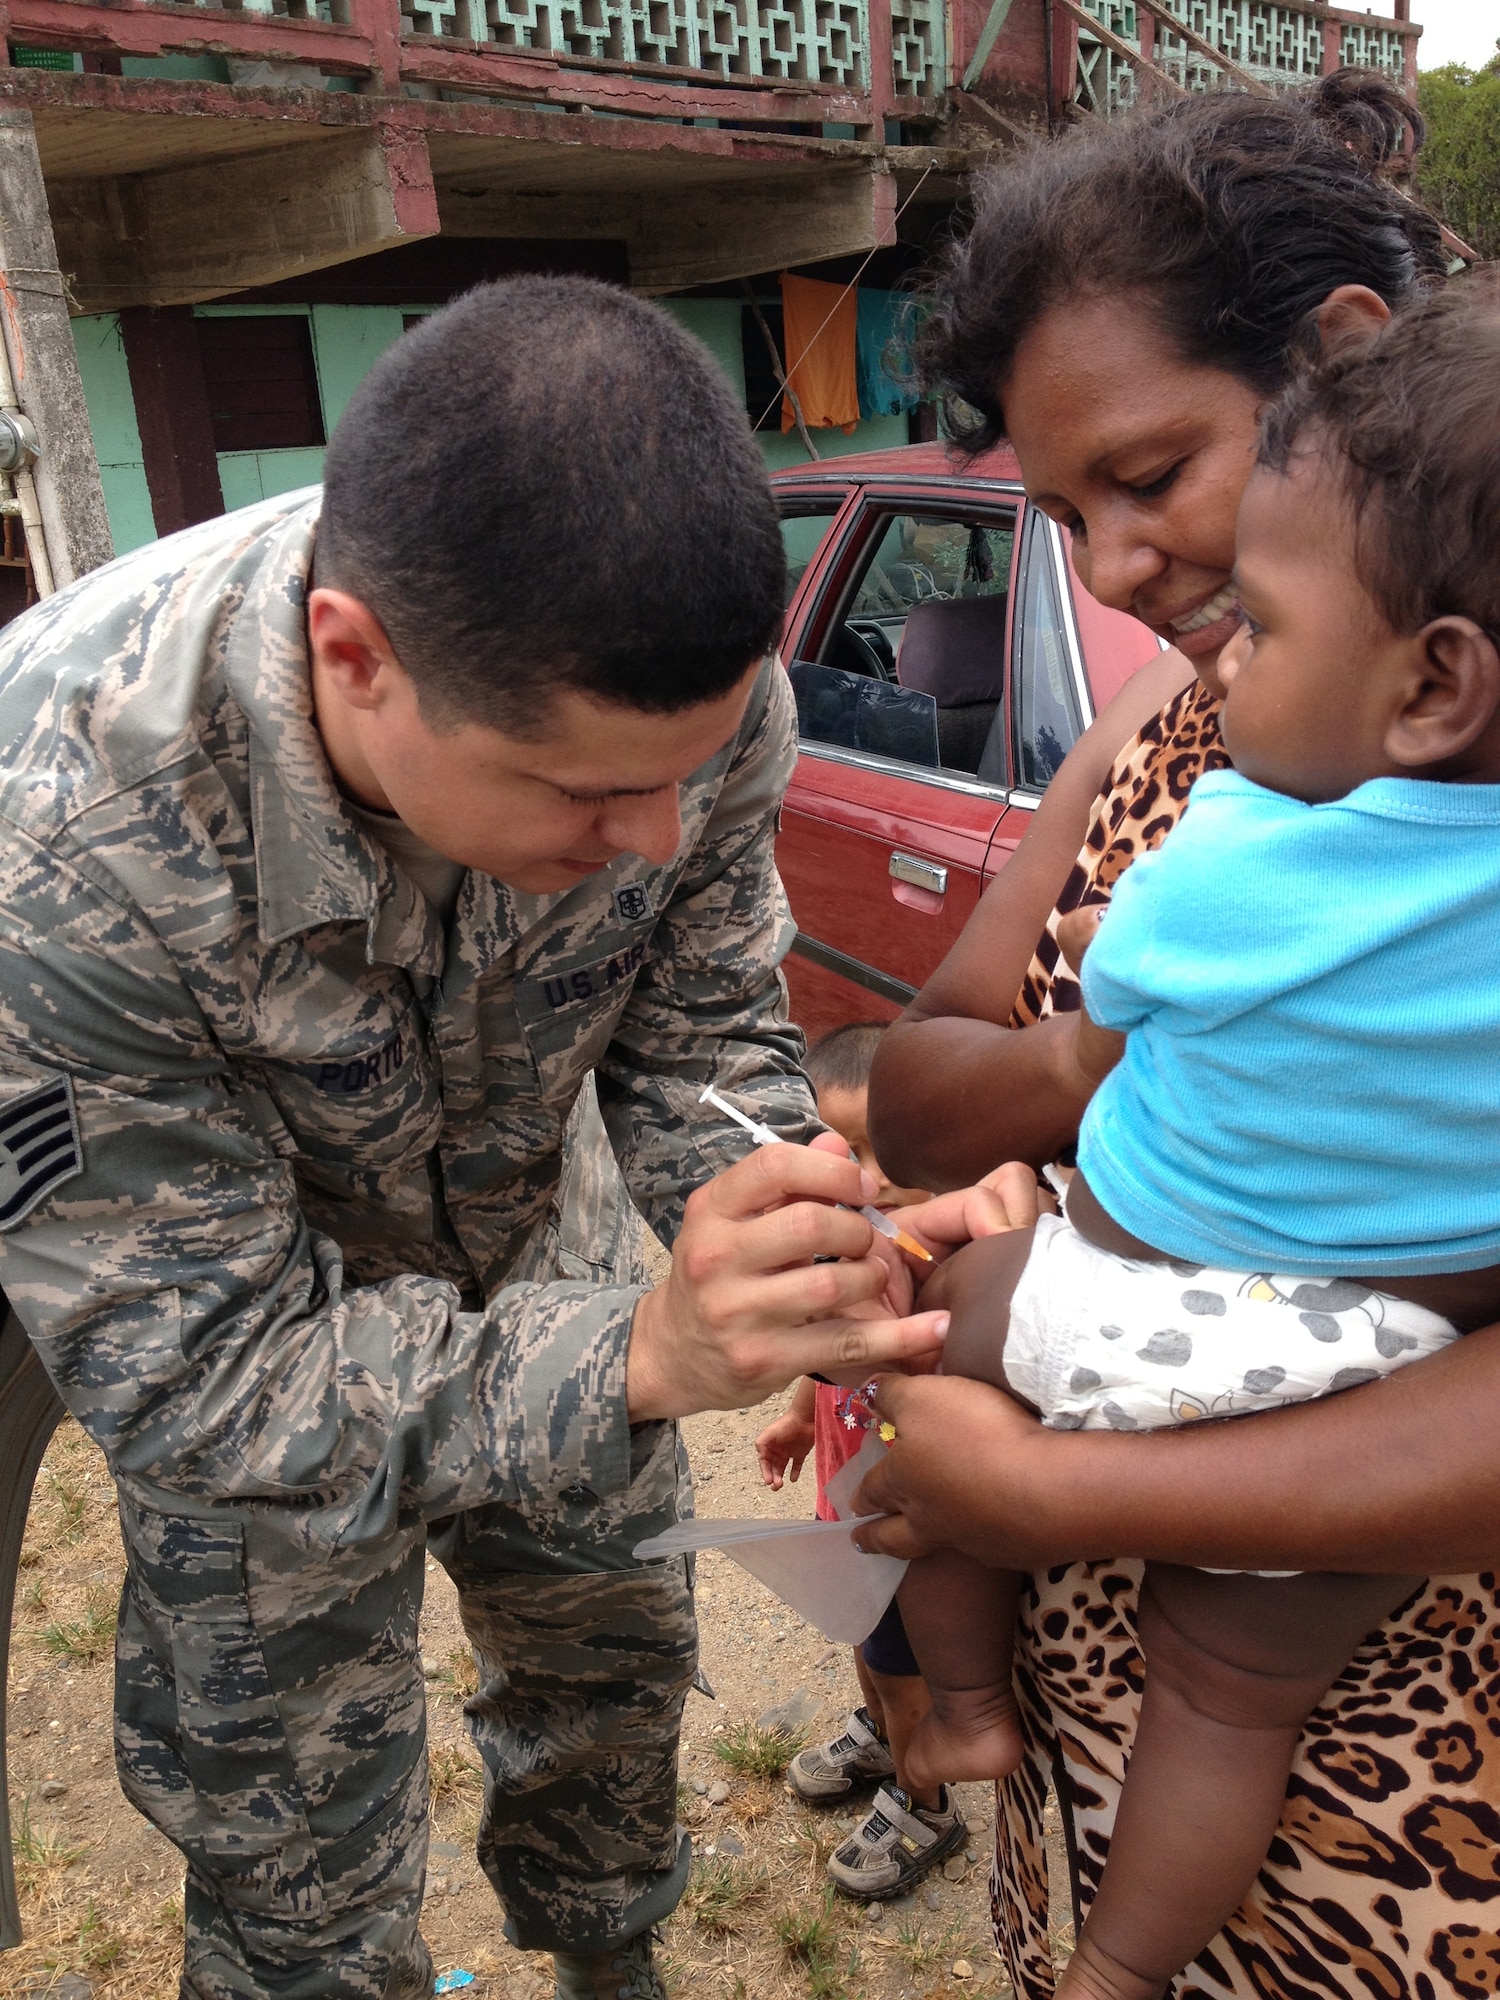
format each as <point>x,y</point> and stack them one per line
<point>649,826</point>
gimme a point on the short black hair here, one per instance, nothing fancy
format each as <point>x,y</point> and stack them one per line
<point>1231,217</point>
<point>1409,421</point>
<point>843,1058</point>
<point>550,484</point>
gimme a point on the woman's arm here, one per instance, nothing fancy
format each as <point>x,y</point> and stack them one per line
<point>1399,1477</point>
<point>954,1089</point>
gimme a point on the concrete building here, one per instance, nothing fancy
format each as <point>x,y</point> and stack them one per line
<point>252,201</point>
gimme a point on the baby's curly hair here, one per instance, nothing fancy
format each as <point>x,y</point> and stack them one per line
<point>1410,423</point>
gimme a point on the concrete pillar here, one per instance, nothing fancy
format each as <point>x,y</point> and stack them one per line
<point>44,361</point>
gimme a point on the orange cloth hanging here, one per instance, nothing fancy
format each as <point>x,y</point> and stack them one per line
<point>820,358</point>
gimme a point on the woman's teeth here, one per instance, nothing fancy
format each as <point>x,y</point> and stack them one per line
<point>1218,606</point>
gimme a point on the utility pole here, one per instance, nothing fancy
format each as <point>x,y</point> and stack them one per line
<point>46,447</point>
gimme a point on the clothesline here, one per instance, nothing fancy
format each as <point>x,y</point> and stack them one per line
<point>808,346</point>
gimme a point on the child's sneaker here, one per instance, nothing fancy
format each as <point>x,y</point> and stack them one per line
<point>896,1845</point>
<point>826,1771</point>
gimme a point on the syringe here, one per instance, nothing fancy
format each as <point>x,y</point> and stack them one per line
<point>764,1136</point>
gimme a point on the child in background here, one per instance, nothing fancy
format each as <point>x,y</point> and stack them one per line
<point>909,1828</point>
<point>1289,1176</point>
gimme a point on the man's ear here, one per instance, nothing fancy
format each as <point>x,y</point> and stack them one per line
<point>1453,694</point>
<point>1349,314</point>
<point>349,644</point>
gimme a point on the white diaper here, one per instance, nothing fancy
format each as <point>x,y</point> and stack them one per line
<point>1098,1342</point>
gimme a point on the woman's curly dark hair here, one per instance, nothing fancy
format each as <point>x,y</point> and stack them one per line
<point>1234,216</point>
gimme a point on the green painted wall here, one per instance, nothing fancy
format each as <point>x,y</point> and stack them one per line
<point>717,324</point>
<point>117,440</point>
<point>347,341</point>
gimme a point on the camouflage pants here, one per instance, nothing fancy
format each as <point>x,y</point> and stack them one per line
<point>270,1720</point>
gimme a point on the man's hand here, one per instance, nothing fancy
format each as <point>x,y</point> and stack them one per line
<point>746,1309</point>
<point>967,1470</point>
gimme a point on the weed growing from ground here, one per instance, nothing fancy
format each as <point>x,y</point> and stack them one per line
<point>721,1892</point>
<point>450,1774</point>
<point>460,1676</point>
<point>751,1752</point>
<point>88,1638</point>
<point>38,1855</point>
<point>72,1503</point>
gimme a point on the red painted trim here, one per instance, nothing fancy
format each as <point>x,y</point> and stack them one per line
<point>131,29</point>
<point>409,171</point>
<point>671,93</point>
<point>883,100</point>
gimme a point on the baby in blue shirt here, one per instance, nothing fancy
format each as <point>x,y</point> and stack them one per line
<point>1289,1175</point>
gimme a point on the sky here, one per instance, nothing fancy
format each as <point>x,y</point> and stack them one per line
<point>1455,31</point>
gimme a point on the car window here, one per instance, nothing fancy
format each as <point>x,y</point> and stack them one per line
<point>802,532</point>
<point>1047,719</point>
<point>918,644</point>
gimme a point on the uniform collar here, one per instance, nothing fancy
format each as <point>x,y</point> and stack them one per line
<point>313,865</point>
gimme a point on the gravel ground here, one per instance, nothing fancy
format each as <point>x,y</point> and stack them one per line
<point>101,1891</point>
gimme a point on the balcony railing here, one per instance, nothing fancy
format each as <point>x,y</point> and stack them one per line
<point>807,64</point>
<point>1279,43</point>
<point>818,42</point>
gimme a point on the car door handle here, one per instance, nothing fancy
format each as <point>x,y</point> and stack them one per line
<point>920,874</point>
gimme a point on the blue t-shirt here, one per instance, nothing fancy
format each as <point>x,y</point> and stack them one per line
<point>1312,996</point>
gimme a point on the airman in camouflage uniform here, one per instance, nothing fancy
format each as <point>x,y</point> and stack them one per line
<point>281,1205</point>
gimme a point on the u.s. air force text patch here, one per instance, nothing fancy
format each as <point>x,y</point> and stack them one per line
<point>39,1148</point>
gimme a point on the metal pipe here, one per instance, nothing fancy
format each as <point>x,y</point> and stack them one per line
<point>25,491</point>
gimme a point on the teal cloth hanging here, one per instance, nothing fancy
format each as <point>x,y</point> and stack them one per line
<point>887,386</point>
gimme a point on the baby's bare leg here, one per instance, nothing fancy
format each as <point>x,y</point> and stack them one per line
<point>960,1618</point>
<point>1234,1666</point>
<point>960,1615</point>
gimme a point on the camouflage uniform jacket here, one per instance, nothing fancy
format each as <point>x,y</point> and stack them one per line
<point>279,1159</point>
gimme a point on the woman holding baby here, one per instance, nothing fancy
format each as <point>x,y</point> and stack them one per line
<point>1128,303</point>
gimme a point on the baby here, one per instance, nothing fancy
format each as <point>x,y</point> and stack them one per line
<point>1289,1176</point>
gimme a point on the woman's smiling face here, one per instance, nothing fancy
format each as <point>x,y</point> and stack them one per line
<point>1143,456</point>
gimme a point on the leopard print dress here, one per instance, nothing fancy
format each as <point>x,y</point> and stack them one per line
<point>1384,1877</point>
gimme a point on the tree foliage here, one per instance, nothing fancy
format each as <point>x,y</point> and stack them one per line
<point>1458,170</point>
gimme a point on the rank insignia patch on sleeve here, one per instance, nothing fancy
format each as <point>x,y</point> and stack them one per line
<point>39,1148</point>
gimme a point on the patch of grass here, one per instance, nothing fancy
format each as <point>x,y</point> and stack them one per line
<point>85,1639</point>
<point>751,1752</point>
<point>810,1937</point>
<point>34,1596</point>
<point>819,1836</point>
<point>72,1498</point>
<point>99,1947</point>
<point>720,1894</point>
<point>38,1855</point>
<point>920,1954</point>
<point>460,1677</point>
<point>451,1775</point>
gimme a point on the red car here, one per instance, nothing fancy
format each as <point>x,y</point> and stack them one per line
<point>944,657</point>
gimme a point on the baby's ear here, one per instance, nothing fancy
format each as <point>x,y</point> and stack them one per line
<point>1453,700</point>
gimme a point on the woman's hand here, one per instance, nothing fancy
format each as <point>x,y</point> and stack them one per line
<point>1096,1050</point>
<point>959,1474</point>
<point>1007,1198</point>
